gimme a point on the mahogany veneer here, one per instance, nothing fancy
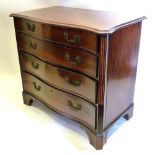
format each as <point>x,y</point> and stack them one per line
<point>80,63</point>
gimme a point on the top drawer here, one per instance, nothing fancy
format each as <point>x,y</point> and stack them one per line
<point>67,36</point>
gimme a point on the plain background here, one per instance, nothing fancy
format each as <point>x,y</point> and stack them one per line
<point>36,130</point>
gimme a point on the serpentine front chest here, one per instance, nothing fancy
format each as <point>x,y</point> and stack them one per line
<point>79,63</point>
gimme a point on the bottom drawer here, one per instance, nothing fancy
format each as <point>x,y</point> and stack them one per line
<point>62,102</point>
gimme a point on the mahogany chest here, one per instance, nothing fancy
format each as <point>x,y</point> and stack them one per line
<point>79,63</point>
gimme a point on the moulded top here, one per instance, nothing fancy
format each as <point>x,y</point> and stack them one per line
<point>96,21</point>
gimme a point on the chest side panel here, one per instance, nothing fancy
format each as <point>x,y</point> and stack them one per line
<point>121,74</point>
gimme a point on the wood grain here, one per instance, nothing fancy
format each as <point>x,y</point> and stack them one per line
<point>91,20</point>
<point>59,100</point>
<point>86,40</point>
<point>80,63</point>
<point>102,67</point>
<point>59,55</point>
<point>59,77</point>
<point>122,66</point>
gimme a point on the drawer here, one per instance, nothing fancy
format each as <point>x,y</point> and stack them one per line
<point>64,79</point>
<point>72,58</point>
<point>68,36</point>
<point>62,102</point>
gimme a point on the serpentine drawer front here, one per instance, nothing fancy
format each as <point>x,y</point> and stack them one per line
<point>67,36</point>
<point>80,63</point>
<point>72,58</point>
<point>61,78</point>
<point>68,104</point>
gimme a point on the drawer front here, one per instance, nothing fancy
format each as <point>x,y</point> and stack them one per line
<point>76,59</point>
<point>61,78</point>
<point>62,102</point>
<point>69,36</point>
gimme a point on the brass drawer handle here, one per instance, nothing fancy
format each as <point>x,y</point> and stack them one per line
<point>38,88</point>
<point>76,60</point>
<point>74,40</point>
<point>33,45</point>
<point>35,65</point>
<point>72,107</point>
<point>73,82</point>
<point>30,27</point>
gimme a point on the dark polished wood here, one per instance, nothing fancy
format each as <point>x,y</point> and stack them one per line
<point>60,35</point>
<point>73,58</point>
<point>28,99</point>
<point>96,139</point>
<point>75,83</point>
<point>122,66</point>
<point>80,63</point>
<point>102,69</point>
<point>91,20</point>
<point>63,102</point>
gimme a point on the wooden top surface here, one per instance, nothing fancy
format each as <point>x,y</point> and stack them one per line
<point>91,20</point>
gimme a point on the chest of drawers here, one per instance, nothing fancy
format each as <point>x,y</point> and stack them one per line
<point>79,63</point>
